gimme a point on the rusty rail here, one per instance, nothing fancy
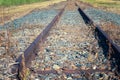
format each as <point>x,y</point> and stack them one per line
<point>31,52</point>
<point>89,21</point>
<point>113,49</point>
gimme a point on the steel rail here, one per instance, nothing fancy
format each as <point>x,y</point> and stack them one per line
<point>78,71</point>
<point>89,21</point>
<point>31,52</point>
<point>113,49</point>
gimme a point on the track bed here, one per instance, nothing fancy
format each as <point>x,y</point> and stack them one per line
<point>69,51</point>
<point>70,47</point>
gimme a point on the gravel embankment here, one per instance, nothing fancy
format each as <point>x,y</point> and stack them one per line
<point>41,17</point>
<point>99,16</point>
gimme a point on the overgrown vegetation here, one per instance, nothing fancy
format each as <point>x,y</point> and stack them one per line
<point>17,2</point>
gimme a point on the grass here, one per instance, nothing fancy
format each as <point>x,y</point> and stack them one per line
<point>17,2</point>
<point>104,3</point>
<point>17,11</point>
<point>107,5</point>
<point>113,31</point>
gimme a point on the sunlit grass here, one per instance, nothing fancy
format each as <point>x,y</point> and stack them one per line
<point>104,3</point>
<point>17,2</point>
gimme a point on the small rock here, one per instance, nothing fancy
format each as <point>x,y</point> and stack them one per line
<point>52,53</point>
<point>73,66</point>
<point>94,67</point>
<point>65,33</point>
<point>96,55</point>
<point>69,78</point>
<point>106,77</point>
<point>2,50</point>
<point>47,68</point>
<point>32,77</point>
<point>56,67</point>
<point>76,76</point>
<point>47,58</point>
<point>64,58</point>
<point>83,67</point>
<point>91,58</point>
<point>47,50</point>
<point>64,76</point>
<point>37,79</point>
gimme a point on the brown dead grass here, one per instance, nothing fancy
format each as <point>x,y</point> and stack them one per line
<point>83,5</point>
<point>113,31</point>
<point>110,9</point>
<point>106,5</point>
<point>11,13</point>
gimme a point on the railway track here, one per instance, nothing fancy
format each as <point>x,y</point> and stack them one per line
<point>70,52</point>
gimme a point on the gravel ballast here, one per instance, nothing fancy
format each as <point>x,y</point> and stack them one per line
<point>70,45</point>
<point>99,16</point>
<point>39,17</point>
<point>23,31</point>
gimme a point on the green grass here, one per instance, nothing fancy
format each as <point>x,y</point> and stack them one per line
<point>17,2</point>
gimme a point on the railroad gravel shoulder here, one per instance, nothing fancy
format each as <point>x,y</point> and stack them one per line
<point>99,16</point>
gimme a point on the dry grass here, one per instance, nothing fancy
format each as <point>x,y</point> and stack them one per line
<point>14,12</point>
<point>113,31</point>
<point>107,5</point>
